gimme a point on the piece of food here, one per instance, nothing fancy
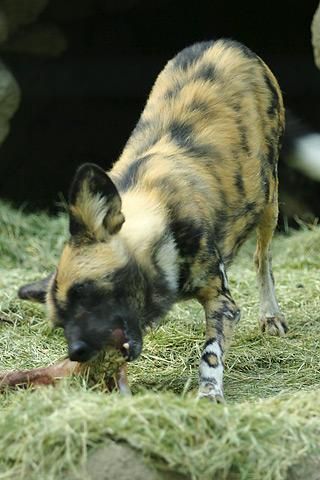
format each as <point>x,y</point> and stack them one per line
<point>109,368</point>
<point>40,376</point>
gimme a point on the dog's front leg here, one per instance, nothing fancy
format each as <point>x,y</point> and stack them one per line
<point>221,316</point>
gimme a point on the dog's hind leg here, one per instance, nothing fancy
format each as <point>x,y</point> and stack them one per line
<point>272,321</point>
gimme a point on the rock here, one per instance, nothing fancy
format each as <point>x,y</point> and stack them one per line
<point>308,469</point>
<point>315,30</point>
<point>17,13</point>
<point>9,99</point>
<point>121,462</point>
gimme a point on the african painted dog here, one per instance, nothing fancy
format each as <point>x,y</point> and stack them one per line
<point>197,175</point>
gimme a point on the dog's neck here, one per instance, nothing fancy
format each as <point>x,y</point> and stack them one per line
<point>146,235</point>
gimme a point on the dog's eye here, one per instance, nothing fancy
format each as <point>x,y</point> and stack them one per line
<point>79,290</point>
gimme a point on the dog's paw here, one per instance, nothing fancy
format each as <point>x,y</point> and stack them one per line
<point>211,392</point>
<point>274,325</point>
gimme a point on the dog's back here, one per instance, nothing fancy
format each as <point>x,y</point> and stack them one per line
<point>208,140</point>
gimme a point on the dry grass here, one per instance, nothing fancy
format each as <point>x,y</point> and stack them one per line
<point>272,385</point>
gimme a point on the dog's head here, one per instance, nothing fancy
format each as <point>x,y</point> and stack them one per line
<point>98,294</point>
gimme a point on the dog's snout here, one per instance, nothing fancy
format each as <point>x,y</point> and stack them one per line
<point>80,351</point>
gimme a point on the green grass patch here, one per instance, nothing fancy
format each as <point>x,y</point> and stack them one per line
<point>272,385</point>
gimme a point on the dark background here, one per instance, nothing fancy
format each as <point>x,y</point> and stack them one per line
<point>82,105</point>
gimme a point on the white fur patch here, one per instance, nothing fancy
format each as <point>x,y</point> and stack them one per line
<point>224,275</point>
<point>213,347</point>
<point>306,157</point>
<point>215,373</point>
<point>208,372</point>
<point>167,260</point>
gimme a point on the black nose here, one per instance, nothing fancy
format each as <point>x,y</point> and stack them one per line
<point>80,351</point>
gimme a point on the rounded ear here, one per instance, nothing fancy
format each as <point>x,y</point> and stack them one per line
<point>94,204</point>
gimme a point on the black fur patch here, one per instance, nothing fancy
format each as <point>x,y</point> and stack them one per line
<point>212,340</point>
<point>265,184</point>
<point>87,294</point>
<point>239,183</point>
<point>171,188</point>
<point>220,225</point>
<point>168,186</point>
<point>184,60</point>
<point>151,300</point>
<point>206,356</point>
<point>208,381</point>
<point>130,177</point>
<point>245,232</point>
<point>187,236</point>
<point>209,341</point>
<point>207,73</point>
<point>35,291</point>
<point>250,207</point>
<point>236,106</point>
<point>244,50</point>
<point>127,281</point>
<point>243,137</point>
<point>148,133</point>
<point>274,103</point>
<point>189,55</point>
<point>272,155</point>
<point>182,135</point>
<point>198,105</point>
<point>160,299</point>
<point>172,92</point>
<point>98,181</point>
<point>77,229</point>
<point>216,318</point>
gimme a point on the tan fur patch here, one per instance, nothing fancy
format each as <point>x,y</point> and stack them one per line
<point>90,210</point>
<point>89,262</point>
<point>212,360</point>
<point>100,218</point>
<point>145,221</point>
